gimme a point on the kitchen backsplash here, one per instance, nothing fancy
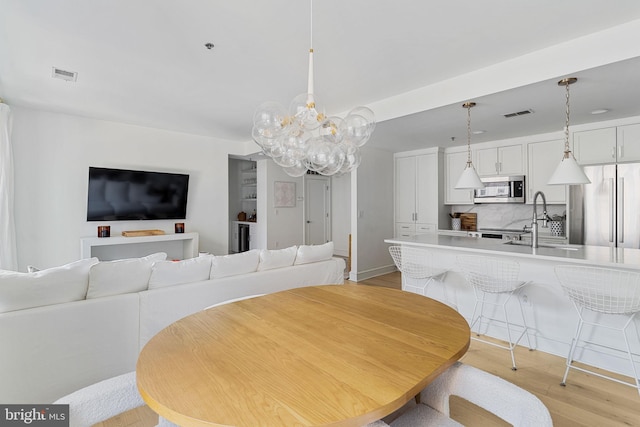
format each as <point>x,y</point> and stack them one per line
<point>507,216</point>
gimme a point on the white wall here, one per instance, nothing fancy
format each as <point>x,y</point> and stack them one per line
<point>52,154</point>
<point>341,214</point>
<point>372,214</point>
<point>285,226</point>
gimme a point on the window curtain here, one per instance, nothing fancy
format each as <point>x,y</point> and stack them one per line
<point>8,252</point>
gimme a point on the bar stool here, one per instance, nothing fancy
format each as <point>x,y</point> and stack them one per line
<point>614,294</point>
<point>498,277</point>
<point>417,267</point>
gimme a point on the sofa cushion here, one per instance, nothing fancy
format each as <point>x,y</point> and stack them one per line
<point>277,258</point>
<point>314,253</point>
<point>55,285</point>
<point>121,276</point>
<point>231,265</point>
<point>169,273</point>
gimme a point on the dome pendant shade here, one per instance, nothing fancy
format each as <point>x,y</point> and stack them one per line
<point>469,179</point>
<point>568,172</point>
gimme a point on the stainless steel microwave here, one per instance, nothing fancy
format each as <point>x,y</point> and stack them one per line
<point>501,189</point>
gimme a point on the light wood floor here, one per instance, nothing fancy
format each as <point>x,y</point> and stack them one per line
<point>585,401</point>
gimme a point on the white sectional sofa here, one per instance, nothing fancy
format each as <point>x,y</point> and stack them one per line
<point>67,327</point>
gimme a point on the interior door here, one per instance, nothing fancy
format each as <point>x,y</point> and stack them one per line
<point>317,209</point>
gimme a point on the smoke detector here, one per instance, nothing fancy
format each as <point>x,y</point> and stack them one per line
<point>58,73</point>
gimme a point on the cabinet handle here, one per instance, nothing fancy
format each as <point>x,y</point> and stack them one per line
<point>613,152</point>
<point>620,152</point>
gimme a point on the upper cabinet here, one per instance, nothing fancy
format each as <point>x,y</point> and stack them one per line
<point>608,145</point>
<point>454,164</point>
<point>507,160</point>
<point>543,158</point>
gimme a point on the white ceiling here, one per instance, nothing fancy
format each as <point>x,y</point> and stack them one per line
<point>413,62</point>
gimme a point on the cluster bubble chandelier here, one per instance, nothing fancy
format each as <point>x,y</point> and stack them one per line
<point>304,138</point>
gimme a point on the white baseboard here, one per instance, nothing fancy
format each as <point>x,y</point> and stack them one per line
<point>368,274</point>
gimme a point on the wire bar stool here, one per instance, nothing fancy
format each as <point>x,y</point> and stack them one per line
<point>417,268</point>
<point>499,277</point>
<point>605,291</point>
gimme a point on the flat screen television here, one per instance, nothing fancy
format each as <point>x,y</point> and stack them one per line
<point>124,195</point>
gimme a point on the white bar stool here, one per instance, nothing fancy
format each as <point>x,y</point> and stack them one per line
<point>612,293</point>
<point>499,277</point>
<point>417,267</point>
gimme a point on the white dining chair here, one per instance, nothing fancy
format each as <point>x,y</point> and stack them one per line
<point>505,400</point>
<point>103,400</point>
<point>495,281</point>
<point>613,298</point>
<point>418,268</point>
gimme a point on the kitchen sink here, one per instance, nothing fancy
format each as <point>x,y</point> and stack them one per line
<point>544,245</point>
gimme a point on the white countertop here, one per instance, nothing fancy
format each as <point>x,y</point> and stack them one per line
<point>590,255</point>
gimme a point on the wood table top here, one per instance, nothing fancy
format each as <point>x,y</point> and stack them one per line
<point>340,355</point>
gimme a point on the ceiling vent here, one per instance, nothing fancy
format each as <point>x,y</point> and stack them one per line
<point>519,113</point>
<point>70,76</point>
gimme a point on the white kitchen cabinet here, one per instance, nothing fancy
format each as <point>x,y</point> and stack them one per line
<point>595,146</point>
<point>418,197</point>
<point>507,160</point>
<point>543,158</point>
<point>408,229</point>
<point>608,145</point>
<point>628,149</point>
<point>454,164</point>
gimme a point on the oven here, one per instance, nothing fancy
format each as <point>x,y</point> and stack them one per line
<point>504,234</point>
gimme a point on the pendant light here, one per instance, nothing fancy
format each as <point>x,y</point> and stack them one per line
<point>568,171</point>
<point>304,138</point>
<point>469,178</point>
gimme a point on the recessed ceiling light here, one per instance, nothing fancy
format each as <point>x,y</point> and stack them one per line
<point>209,45</point>
<point>600,111</point>
<point>478,132</point>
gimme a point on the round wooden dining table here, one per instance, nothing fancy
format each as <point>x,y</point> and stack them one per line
<point>339,355</point>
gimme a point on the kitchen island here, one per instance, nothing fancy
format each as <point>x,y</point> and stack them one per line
<point>548,311</point>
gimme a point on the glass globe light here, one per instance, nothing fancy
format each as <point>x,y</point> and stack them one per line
<point>356,129</point>
<point>368,115</point>
<point>306,110</point>
<point>330,129</point>
<point>297,170</point>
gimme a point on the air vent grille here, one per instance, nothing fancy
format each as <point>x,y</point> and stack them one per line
<point>518,113</point>
<point>70,76</point>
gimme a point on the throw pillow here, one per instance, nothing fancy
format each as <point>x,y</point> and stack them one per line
<point>314,253</point>
<point>55,285</point>
<point>234,264</point>
<point>169,273</point>
<point>277,258</point>
<point>121,276</point>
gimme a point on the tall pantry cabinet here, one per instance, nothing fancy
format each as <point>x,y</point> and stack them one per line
<point>419,202</point>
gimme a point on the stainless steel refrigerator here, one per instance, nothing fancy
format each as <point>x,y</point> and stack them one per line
<point>607,211</point>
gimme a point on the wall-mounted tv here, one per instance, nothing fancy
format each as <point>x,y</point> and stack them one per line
<point>124,195</point>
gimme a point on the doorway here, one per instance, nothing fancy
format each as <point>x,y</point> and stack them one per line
<point>317,209</point>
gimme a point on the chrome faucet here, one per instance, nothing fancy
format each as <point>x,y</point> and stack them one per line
<point>534,220</point>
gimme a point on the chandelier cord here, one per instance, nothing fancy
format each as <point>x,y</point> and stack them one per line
<point>310,98</point>
<point>311,26</point>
